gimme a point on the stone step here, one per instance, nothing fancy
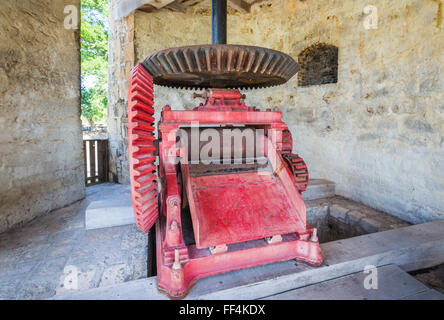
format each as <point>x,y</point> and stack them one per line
<point>113,209</point>
<point>319,189</point>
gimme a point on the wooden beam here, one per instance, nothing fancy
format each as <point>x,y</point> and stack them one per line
<point>240,5</point>
<point>393,284</point>
<point>158,4</point>
<point>125,7</point>
<point>177,7</point>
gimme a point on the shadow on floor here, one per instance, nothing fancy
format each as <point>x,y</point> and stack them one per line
<point>54,254</point>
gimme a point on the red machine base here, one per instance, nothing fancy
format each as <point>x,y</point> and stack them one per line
<point>175,280</point>
<point>242,213</point>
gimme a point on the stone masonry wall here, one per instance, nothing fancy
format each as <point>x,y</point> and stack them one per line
<point>41,162</point>
<point>379,131</point>
<point>121,61</point>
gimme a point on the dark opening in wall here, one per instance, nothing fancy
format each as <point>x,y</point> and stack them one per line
<point>318,65</point>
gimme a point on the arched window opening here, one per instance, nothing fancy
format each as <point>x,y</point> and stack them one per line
<point>318,65</point>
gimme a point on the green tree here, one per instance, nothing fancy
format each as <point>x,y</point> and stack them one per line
<point>94,55</point>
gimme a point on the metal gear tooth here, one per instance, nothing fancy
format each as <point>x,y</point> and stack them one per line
<point>140,188</point>
<point>249,87</point>
<point>301,175</point>
<point>257,67</point>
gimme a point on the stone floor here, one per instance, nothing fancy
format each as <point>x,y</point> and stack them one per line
<point>54,254</point>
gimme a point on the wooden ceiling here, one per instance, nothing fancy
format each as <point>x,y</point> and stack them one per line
<point>242,6</point>
<point>124,7</point>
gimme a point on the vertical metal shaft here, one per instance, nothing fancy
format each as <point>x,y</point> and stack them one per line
<point>218,21</point>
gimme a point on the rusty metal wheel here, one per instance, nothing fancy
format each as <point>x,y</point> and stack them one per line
<point>220,66</point>
<point>299,170</point>
<point>287,141</point>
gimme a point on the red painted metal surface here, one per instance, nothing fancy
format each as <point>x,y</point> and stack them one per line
<point>218,117</point>
<point>141,148</point>
<point>199,264</point>
<point>240,219</point>
<point>222,99</point>
<point>249,206</point>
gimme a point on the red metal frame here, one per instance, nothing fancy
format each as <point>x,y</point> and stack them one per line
<point>179,265</point>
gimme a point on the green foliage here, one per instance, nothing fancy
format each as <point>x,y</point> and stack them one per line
<point>94,55</point>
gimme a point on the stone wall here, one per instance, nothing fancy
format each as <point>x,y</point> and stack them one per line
<point>121,61</point>
<point>41,162</point>
<point>379,131</point>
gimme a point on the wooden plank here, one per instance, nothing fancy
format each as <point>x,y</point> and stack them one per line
<point>85,161</point>
<point>102,147</point>
<point>240,5</point>
<point>95,148</point>
<point>243,6</point>
<point>158,4</point>
<point>124,8</point>
<point>106,161</point>
<point>411,248</point>
<point>99,160</point>
<point>177,7</point>
<point>392,284</point>
<point>426,295</point>
<point>92,160</point>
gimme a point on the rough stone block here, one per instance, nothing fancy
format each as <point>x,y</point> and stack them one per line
<point>109,213</point>
<point>113,209</point>
<point>318,189</point>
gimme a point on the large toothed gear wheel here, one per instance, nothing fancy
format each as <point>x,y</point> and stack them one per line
<point>299,170</point>
<point>142,149</point>
<point>287,141</point>
<point>220,66</point>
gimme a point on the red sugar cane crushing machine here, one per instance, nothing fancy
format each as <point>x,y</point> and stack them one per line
<point>214,216</point>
